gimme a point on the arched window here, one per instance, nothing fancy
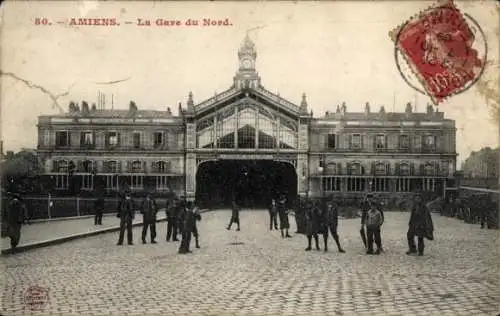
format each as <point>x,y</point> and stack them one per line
<point>355,169</point>
<point>136,166</point>
<point>112,166</point>
<point>87,166</point>
<point>429,170</point>
<point>62,166</point>
<point>163,166</point>
<point>404,169</point>
<point>380,169</point>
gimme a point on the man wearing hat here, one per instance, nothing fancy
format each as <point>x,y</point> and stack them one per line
<point>126,215</point>
<point>332,220</point>
<point>16,216</point>
<point>420,225</point>
<point>148,210</point>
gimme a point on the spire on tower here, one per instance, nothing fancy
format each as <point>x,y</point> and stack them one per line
<point>303,104</point>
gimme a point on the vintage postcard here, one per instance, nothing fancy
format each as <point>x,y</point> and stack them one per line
<point>249,158</point>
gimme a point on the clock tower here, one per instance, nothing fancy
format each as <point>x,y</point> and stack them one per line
<point>247,77</point>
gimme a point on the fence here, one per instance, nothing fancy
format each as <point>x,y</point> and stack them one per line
<point>57,207</point>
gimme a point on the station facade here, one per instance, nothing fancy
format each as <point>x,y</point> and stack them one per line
<point>248,139</point>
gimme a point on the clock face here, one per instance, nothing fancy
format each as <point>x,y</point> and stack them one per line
<point>247,63</point>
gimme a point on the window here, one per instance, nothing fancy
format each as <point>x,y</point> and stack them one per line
<point>356,141</point>
<point>136,166</point>
<point>429,185</point>
<point>158,139</point>
<point>381,184</point>
<point>137,140</point>
<point>331,168</point>
<point>355,169</point>
<point>287,134</point>
<point>136,182</point>
<point>380,142</point>
<point>429,142</point>
<point>356,184</point>
<point>321,162</point>
<point>112,139</point>
<point>267,131</point>
<point>87,182</point>
<point>225,129</point>
<point>86,139</point>
<point>161,166</point>
<point>380,169</point>
<point>61,166</point>
<point>404,169</point>
<point>162,183</point>
<point>112,182</point>
<point>404,142</point>
<point>112,167</point>
<point>62,181</point>
<point>331,184</point>
<point>87,166</point>
<point>403,185</point>
<point>62,139</point>
<point>331,141</point>
<point>429,170</point>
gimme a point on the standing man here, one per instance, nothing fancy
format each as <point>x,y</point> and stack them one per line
<point>173,208</point>
<point>126,215</point>
<point>333,220</point>
<point>186,220</point>
<point>366,205</point>
<point>99,208</point>
<point>283,214</point>
<point>16,216</point>
<point>235,216</point>
<point>148,211</point>
<point>420,225</point>
<point>273,215</point>
<point>197,218</point>
<point>373,221</point>
<point>316,225</point>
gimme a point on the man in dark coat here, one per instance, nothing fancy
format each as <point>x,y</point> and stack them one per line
<point>420,225</point>
<point>16,216</point>
<point>235,216</point>
<point>300,220</point>
<point>148,211</point>
<point>283,214</point>
<point>197,217</point>
<point>173,210</point>
<point>316,224</point>
<point>333,220</point>
<point>187,222</point>
<point>273,215</point>
<point>126,215</point>
<point>99,209</point>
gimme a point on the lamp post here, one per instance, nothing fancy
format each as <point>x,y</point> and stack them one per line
<point>320,171</point>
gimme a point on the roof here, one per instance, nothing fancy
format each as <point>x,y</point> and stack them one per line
<point>390,116</point>
<point>112,113</point>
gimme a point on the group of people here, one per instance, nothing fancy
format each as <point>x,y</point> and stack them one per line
<point>476,209</point>
<point>181,219</point>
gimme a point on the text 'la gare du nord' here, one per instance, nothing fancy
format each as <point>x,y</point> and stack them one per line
<point>154,22</point>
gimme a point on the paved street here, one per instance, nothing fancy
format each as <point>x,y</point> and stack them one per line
<point>255,272</point>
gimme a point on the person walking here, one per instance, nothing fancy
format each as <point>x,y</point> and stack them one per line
<point>273,215</point>
<point>235,216</point>
<point>126,215</point>
<point>420,226</point>
<point>148,211</point>
<point>332,224</point>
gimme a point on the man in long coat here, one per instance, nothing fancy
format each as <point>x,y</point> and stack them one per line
<point>126,215</point>
<point>197,217</point>
<point>148,211</point>
<point>421,226</point>
<point>300,218</point>
<point>187,222</point>
<point>316,224</point>
<point>173,210</point>
<point>16,216</point>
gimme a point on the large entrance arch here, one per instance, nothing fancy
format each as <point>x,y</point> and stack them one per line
<point>253,183</point>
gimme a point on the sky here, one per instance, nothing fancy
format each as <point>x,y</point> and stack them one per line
<point>333,51</point>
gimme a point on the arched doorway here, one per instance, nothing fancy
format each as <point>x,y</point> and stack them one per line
<point>253,183</point>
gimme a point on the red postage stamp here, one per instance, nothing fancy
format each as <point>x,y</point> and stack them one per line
<point>438,46</point>
<point>36,298</point>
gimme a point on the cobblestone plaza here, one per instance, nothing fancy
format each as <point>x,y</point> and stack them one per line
<point>256,272</point>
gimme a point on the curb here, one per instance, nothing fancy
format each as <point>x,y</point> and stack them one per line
<point>61,240</point>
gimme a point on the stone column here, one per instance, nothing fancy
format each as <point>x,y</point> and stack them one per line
<point>302,175</point>
<point>190,174</point>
